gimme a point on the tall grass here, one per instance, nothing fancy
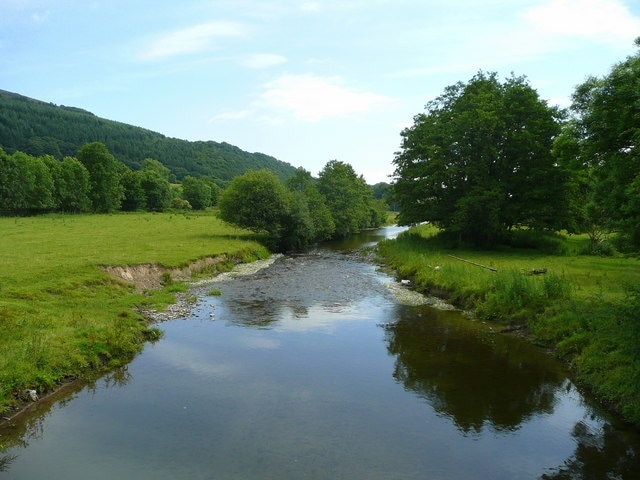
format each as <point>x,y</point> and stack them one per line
<point>62,316</point>
<point>586,307</point>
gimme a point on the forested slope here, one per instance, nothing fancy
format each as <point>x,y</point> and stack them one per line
<point>40,128</point>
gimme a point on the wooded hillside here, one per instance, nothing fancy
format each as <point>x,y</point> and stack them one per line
<point>40,128</point>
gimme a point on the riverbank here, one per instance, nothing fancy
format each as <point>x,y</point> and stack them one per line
<point>65,316</point>
<point>583,307</point>
<point>142,277</point>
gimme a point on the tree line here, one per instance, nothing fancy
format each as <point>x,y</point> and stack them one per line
<point>487,157</point>
<point>94,181</point>
<point>292,214</point>
<point>303,210</point>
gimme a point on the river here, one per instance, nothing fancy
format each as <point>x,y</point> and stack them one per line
<point>312,368</point>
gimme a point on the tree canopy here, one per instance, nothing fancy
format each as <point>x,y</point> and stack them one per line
<point>602,144</point>
<point>256,200</point>
<point>478,162</point>
<point>349,199</point>
<point>304,211</point>
<point>95,181</point>
<point>106,192</point>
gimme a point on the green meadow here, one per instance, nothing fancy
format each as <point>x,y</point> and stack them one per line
<point>587,308</point>
<point>62,316</point>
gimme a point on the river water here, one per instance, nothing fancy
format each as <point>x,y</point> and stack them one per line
<point>313,369</point>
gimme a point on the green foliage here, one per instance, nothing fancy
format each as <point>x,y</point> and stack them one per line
<point>630,226</point>
<point>479,162</point>
<point>135,197</point>
<point>516,297</point>
<point>607,135</point>
<point>348,198</point>
<point>26,184</point>
<point>154,181</point>
<point>43,184</point>
<point>256,201</point>
<point>105,191</point>
<point>198,192</point>
<point>585,307</point>
<point>39,128</point>
<point>72,186</point>
<point>306,212</point>
<point>322,225</point>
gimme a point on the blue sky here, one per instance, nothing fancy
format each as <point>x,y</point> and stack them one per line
<point>304,81</point>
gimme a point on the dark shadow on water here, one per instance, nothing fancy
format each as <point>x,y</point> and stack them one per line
<point>476,378</point>
<point>483,381</point>
<point>30,424</point>
<point>601,452</point>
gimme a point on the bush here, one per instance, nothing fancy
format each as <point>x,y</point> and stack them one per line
<point>604,248</point>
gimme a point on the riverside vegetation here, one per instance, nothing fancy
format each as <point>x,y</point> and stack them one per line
<point>62,316</point>
<point>492,165</point>
<point>585,307</point>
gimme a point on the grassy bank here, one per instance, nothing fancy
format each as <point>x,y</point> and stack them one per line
<point>586,307</point>
<point>62,316</point>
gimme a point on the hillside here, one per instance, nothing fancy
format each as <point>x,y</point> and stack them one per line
<point>40,128</point>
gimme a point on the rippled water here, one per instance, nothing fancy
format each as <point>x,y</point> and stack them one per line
<point>311,369</point>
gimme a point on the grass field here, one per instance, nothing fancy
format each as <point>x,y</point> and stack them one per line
<point>586,307</point>
<point>62,316</point>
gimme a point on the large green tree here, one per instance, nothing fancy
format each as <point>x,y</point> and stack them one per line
<point>26,184</point>
<point>154,180</point>
<point>71,184</point>
<point>197,191</point>
<point>135,197</point>
<point>348,197</point>
<point>607,133</point>
<point>322,225</point>
<point>106,191</point>
<point>256,200</point>
<point>478,162</point>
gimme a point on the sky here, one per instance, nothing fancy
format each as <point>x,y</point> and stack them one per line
<point>304,81</point>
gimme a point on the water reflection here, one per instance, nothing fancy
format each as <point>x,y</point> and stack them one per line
<point>486,381</point>
<point>365,239</point>
<point>305,288</point>
<point>476,378</point>
<point>29,426</point>
<point>601,452</point>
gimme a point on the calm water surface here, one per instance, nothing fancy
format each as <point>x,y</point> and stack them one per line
<point>311,369</point>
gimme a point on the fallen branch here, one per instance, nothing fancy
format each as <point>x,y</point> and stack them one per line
<point>474,263</point>
<point>538,271</point>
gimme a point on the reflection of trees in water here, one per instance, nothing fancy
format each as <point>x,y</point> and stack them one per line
<point>254,314</point>
<point>5,461</point>
<point>602,452</point>
<point>31,425</point>
<point>293,285</point>
<point>479,380</point>
<point>475,378</point>
<point>266,314</point>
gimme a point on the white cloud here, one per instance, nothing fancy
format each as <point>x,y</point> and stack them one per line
<point>312,98</point>
<point>264,60</point>
<point>191,39</point>
<point>604,20</point>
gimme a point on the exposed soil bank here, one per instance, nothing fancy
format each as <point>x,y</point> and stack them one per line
<point>150,276</point>
<point>144,277</point>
